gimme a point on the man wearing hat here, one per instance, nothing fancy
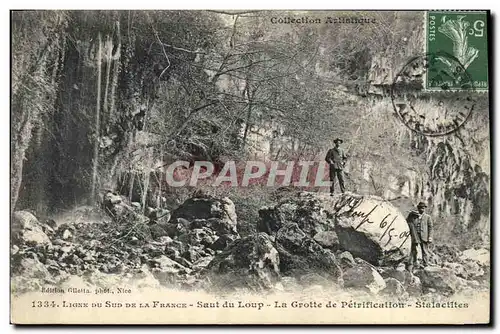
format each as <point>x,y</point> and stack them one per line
<point>420,225</point>
<point>336,159</point>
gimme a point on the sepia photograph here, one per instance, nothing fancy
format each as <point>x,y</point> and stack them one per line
<point>250,167</point>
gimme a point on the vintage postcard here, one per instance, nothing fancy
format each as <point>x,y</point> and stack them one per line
<point>250,167</point>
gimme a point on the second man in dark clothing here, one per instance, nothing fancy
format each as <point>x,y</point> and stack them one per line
<point>336,159</point>
<point>421,228</point>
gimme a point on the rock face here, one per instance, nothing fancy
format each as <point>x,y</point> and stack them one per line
<point>252,262</point>
<point>366,226</point>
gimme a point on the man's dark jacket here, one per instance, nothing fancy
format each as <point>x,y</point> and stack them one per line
<point>336,158</point>
<point>420,227</point>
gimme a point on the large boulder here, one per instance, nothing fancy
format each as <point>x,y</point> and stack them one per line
<point>346,260</point>
<point>168,271</point>
<point>475,271</point>
<point>219,226</point>
<point>393,288</point>
<point>157,231</point>
<point>144,279</point>
<point>327,239</point>
<point>363,276</point>
<point>203,221</point>
<point>367,226</point>
<point>468,270</point>
<point>214,213</point>
<point>164,264</point>
<point>307,210</point>
<point>115,205</point>
<point>251,262</point>
<point>457,269</point>
<point>299,254</point>
<point>223,242</point>
<point>31,267</point>
<point>29,274</point>
<point>159,216</point>
<point>440,280</point>
<point>199,236</point>
<point>26,228</point>
<point>410,282</point>
<point>372,229</point>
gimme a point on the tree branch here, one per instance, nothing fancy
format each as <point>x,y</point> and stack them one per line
<point>164,52</point>
<point>191,113</point>
<point>182,49</point>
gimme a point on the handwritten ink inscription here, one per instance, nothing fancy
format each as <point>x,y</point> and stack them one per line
<point>349,206</point>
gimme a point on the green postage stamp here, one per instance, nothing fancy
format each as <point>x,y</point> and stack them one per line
<point>250,167</point>
<point>457,38</point>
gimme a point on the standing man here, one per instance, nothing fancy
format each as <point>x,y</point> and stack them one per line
<point>336,159</point>
<point>420,225</point>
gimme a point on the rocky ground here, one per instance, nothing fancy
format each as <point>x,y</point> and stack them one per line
<point>349,243</point>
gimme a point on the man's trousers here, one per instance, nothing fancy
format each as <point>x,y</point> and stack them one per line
<point>339,174</point>
<point>424,246</point>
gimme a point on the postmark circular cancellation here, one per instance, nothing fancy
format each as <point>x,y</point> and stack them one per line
<point>435,93</point>
<point>433,112</point>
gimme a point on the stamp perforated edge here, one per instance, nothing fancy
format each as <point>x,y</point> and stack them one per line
<point>475,90</point>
